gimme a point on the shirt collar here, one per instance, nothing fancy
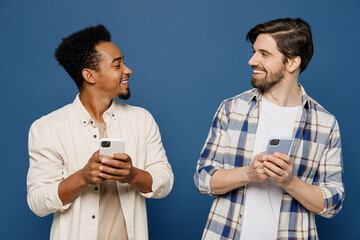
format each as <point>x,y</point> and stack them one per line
<point>85,117</point>
<point>256,95</point>
<point>305,99</point>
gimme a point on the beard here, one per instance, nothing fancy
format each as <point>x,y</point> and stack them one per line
<point>268,81</point>
<point>125,96</point>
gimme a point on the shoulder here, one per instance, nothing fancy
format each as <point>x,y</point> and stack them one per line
<point>323,116</point>
<point>240,101</point>
<point>54,119</point>
<point>132,111</point>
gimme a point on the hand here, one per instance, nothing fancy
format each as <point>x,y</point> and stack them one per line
<point>117,167</point>
<point>255,170</point>
<point>279,166</point>
<point>90,172</point>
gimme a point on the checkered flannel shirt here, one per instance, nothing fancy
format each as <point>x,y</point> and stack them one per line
<point>316,153</point>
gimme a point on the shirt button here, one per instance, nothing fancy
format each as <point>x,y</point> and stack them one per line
<point>96,188</point>
<point>94,136</point>
<point>93,216</point>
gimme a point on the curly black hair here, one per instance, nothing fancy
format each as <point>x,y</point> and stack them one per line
<point>77,51</point>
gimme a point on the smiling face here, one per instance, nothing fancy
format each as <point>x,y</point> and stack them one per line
<point>113,75</point>
<point>267,63</point>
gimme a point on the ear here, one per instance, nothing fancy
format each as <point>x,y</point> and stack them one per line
<point>88,75</point>
<point>293,64</point>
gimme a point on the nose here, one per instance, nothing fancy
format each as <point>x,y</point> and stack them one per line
<point>253,60</point>
<point>127,70</point>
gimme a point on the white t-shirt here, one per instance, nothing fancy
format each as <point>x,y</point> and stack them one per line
<point>263,199</point>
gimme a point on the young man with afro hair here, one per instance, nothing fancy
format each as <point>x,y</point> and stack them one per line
<point>95,196</point>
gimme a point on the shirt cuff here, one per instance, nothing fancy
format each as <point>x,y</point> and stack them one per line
<point>57,201</point>
<point>158,186</point>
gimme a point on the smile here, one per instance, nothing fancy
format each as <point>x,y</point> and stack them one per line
<point>258,71</point>
<point>124,81</point>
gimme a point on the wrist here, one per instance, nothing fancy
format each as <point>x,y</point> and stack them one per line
<point>291,184</point>
<point>247,174</point>
<point>133,176</point>
<point>81,178</point>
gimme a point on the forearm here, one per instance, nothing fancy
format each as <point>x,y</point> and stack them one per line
<point>225,180</point>
<point>142,180</point>
<point>309,196</point>
<point>71,187</point>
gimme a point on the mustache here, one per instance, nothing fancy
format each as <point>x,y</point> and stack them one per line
<point>258,68</point>
<point>125,79</point>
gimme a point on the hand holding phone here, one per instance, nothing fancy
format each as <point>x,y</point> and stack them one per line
<point>118,167</point>
<point>279,167</point>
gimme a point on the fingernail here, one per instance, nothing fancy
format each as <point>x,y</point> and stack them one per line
<point>101,168</point>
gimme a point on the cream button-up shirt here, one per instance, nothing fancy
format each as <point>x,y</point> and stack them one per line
<point>63,141</point>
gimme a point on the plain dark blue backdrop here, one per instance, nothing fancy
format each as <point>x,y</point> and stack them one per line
<point>187,56</point>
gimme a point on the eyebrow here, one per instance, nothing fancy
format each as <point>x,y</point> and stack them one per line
<point>117,59</point>
<point>263,51</point>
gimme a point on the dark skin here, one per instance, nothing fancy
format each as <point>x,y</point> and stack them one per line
<point>99,89</point>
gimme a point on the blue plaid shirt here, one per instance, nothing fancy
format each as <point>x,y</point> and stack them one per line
<point>315,152</point>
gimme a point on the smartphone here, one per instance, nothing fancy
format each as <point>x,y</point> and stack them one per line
<point>110,146</point>
<point>278,144</point>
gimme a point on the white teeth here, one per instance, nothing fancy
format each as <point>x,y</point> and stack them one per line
<point>124,82</point>
<point>258,71</point>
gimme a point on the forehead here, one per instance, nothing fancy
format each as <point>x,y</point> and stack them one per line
<point>266,42</point>
<point>108,51</point>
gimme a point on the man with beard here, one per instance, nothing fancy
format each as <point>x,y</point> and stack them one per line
<point>94,196</point>
<point>260,196</point>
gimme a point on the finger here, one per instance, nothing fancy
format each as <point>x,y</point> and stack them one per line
<point>108,176</point>
<point>274,168</point>
<point>284,157</point>
<point>121,156</point>
<point>261,157</point>
<point>115,163</point>
<point>278,162</point>
<point>270,173</point>
<point>113,171</point>
<point>96,156</point>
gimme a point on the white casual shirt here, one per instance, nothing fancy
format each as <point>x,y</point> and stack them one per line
<point>263,199</point>
<point>63,141</point>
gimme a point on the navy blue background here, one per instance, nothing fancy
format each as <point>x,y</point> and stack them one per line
<point>187,56</point>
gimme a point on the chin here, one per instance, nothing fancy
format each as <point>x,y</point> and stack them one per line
<point>125,96</point>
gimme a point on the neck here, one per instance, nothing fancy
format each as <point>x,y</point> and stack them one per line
<point>285,94</point>
<point>95,105</point>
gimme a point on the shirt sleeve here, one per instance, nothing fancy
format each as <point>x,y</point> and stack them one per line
<point>156,161</point>
<point>330,175</point>
<point>45,172</point>
<point>212,154</point>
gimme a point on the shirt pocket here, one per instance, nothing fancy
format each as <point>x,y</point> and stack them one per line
<point>307,159</point>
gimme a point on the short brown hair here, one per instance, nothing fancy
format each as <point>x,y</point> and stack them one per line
<point>292,36</point>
